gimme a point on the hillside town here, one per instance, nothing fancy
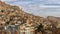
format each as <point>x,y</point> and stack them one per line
<point>13,20</point>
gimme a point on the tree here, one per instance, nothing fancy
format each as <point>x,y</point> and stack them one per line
<point>40,28</point>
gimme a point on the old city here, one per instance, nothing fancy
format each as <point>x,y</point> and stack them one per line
<point>13,20</point>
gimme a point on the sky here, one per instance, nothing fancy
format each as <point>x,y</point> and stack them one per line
<point>38,7</point>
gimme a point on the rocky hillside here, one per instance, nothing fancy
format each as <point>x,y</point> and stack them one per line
<point>14,15</point>
<point>10,13</point>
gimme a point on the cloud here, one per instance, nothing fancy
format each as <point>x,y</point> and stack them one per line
<point>9,0</point>
<point>57,14</point>
<point>36,8</point>
<point>50,1</point>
